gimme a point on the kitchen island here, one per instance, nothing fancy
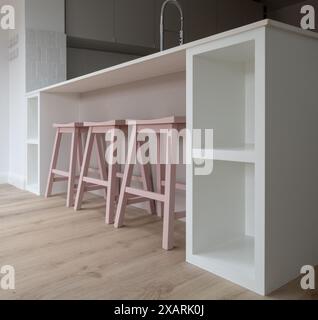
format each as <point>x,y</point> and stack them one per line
<point>253,220</point>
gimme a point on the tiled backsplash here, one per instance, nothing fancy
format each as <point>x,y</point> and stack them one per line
<point>45,58</point>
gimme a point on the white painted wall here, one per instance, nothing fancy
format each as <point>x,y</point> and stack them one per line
<point>45,58</point>
<point>4,104</point>
<point>45,20</point>
<point>17,98</point>
<point>45,43</point>
<point>45,15</point>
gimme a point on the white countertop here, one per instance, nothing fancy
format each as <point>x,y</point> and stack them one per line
<point>155,65</point>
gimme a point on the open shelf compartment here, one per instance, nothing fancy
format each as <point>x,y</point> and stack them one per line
<point>223,226</point>
<point>33,168</point>
<point>224,99</point>
<point>33,120</point>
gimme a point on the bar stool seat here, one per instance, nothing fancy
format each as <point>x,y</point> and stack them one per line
<point>166,184</point>
<point>76,129</point>
<point>68,125</point>
<point>118,123</point>
<point>167,120</point>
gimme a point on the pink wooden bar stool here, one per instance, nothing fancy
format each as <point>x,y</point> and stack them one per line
<point>166,181</point>
<point>110,175</point>
<point>76,130</point>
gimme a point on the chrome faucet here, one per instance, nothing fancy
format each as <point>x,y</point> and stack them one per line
<point>162,30</point>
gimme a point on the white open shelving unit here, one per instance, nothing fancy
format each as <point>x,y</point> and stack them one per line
<point>250,221</point>
<point>221,235</point>
<point>33,136</point>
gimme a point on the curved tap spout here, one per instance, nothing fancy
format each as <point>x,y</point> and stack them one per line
<point>162,30</point>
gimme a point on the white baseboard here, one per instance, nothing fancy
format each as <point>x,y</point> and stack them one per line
<point>3,178</point>
<point>16,180</point>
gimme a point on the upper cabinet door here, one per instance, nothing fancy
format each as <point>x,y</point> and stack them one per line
<point>134,22</point>
<point>254,12</point>
<point>202,19</point>
<point>233,13</point>
<point>90,19</point>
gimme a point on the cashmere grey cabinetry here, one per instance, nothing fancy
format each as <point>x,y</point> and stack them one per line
<point>92,19</point>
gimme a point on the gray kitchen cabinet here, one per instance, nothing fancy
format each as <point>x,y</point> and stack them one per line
<point>233,13</point>
<point>93,19</point>
<point>134,22</point>
<point>202,19</point>
<point>84,61</point>
<point>229,14</point>
<point>254,12</point>
<point>292,13</point>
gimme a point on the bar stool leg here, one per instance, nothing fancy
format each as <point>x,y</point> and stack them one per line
<point>84,170</point>
<point>159,177</point>
<point>111,194</point>
<point>147,182</point>
<point>104,147</point>
<point>101,158</point>
<point>169,203</point>
<point>112,186</point>
<point>148,185</point>
<point>56,149</point>
<point>128,172</point>
<point>72,169</point>
<point>80,149</point>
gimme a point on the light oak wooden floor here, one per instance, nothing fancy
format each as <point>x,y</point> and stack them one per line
<point>60,254</point>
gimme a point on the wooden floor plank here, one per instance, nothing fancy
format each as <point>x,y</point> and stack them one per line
<point>62,254</point>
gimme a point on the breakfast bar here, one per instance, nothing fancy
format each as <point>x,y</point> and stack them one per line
<point>265,142</point>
